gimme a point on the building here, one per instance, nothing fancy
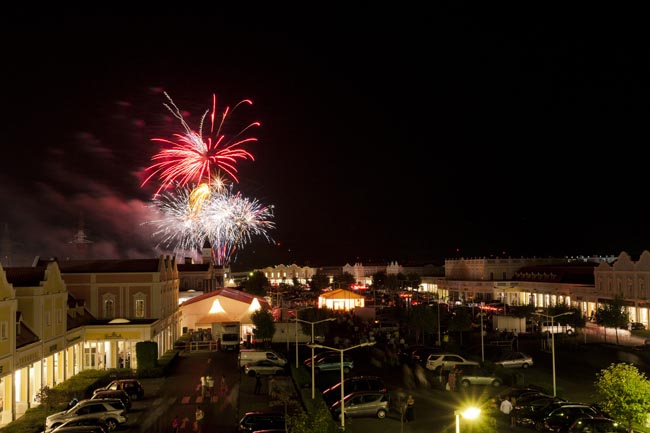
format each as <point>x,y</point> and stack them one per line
<point>59,318</point>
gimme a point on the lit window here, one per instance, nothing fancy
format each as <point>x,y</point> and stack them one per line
<point>139,308</point>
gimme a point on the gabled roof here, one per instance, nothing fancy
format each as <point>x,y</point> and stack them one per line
<point>25,336</point>
<point>340,294</point>
<point>25,276</point>
<point>228,292</point>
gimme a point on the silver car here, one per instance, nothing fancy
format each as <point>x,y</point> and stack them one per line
<point>515,360</point>
<point>263,367</point>
<point>111,411</point>
<point>475,375</point>
<point>363,403</point>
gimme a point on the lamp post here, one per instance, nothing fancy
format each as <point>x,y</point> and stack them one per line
<point>553,342</point>
<point>313,383</point>
<point>313,346</point>
<point>469,413</point>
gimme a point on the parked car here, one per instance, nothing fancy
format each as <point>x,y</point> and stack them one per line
<point>307,362</point>
<point>446,361</point>
<point>256,421</point>
<point>596,425</point>
<point>419,356</point>
<point>363,403</point>
<point>79,429</point>
<point>263,367</point>
<point>113,393</point>
<point>560,416</point>
<point>333,362</point>
<point>133,387</point>
<point>353,384</point>
<point>112,412</point>
<point>526,407</point>
<point>637,326</point>
<point>92,425</point>
<point>476,375</point>
<point>515,360</point>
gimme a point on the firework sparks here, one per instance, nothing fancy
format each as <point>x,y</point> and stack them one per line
<point>191,158</point>
<point>226,219</point>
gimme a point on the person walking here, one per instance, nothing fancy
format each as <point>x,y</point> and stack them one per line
<point>176,424</point>
<point>410,408</point>
<point>198,419</point>
<point>258,384</point>
<point>506,408</point>
<point>223,388</point>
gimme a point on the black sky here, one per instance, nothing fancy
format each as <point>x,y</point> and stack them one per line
<point>437,135</point>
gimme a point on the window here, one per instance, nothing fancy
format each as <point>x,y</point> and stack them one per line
<point>4,330</point>
<point>48,319</point>
<point>109,308</point>
<point>139,307</point>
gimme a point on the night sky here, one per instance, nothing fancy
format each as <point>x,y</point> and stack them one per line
<point>434,136</point>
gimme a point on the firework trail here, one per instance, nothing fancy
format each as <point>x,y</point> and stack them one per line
<point>193,158</point>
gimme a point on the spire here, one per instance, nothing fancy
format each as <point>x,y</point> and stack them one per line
<point>80,239</point>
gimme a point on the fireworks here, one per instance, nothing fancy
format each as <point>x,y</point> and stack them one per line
<point>202,206</point>
<point>225,218</point>
<point>191,158</point>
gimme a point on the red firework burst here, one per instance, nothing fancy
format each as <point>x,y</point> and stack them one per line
<point>193,158</point>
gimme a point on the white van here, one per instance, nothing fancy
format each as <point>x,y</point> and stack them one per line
<point>556,328</point>
<point>247,356</point>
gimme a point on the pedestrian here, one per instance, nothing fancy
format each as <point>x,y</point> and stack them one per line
<point>184,424</point>
<point>410,408</point>
<point>176,424</point>
<point>222,386</point>
<point>506,408</point>
<point>451,380</point>
<point>198,419</point>
<point>258,384</point>
<point>203,386</point>
<point>210,383</point>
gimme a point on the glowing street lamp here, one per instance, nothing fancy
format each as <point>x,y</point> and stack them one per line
<point>553,342</point>
<point>313,346</point>
<point>469,413</point>
<point>313,384</point>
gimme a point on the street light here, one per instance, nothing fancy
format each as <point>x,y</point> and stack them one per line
<point>553,341</point>
<point>313,384</point>
<point>469,413</point>
<point>313,346</point>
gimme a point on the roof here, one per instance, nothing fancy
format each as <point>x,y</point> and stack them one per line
<point>579,273</point>
<point>341,294</point>
<point>25,276</point>
<point>108,266</point>
<point>193,267</point>
<point>227,292</point>
<point>26,336</point>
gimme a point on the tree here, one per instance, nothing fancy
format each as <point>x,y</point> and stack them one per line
<point>264,326</point>
<point>346,279</point>
<point>319,281</point>
<point>422,319</point>
<point>625,393</point>
<point>461,320</point>
<point>315,315</point>
<point>613,315</point>
<point>413,281</point>
<point>257,284</point>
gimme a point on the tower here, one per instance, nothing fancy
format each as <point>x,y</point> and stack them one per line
<point>80,240</point>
